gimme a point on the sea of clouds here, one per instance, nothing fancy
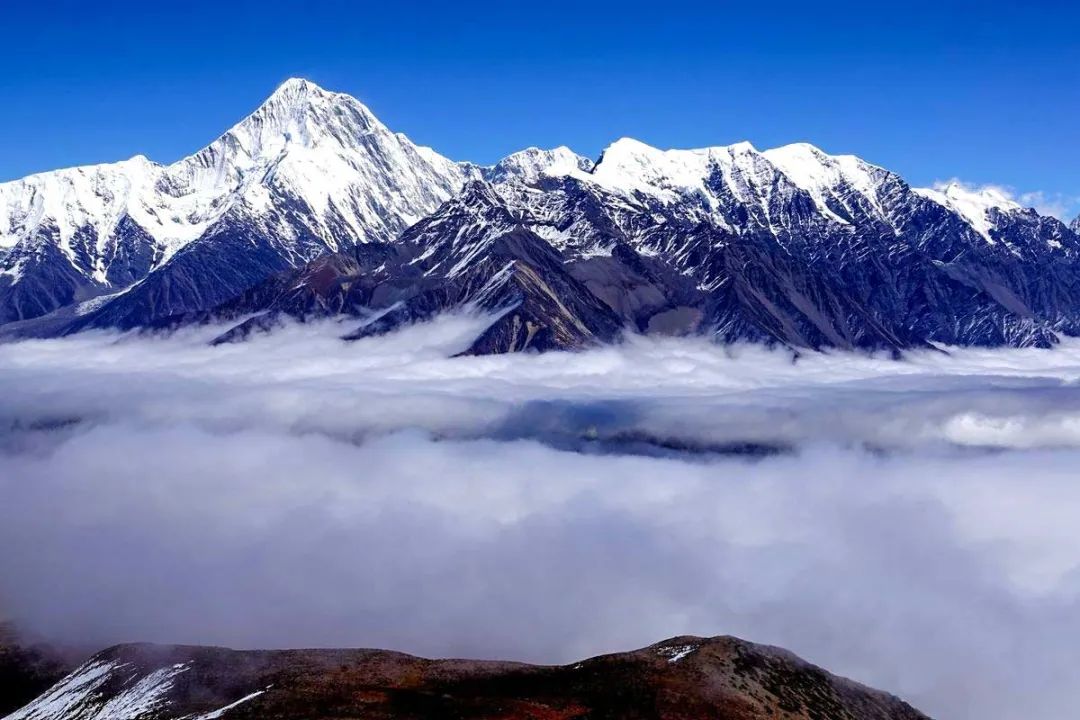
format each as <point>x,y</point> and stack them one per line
<point>911,524</point>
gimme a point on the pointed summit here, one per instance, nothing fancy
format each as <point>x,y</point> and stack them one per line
<point>299,116</point>
<point>329,151</point>
<point>299,93</point>
<point>297,85</point>
<point>301,112</point>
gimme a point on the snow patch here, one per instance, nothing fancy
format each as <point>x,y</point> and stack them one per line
<point>221,711</point>
<point>675,653</point>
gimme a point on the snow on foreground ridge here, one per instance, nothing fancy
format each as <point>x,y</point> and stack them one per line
<point>388,494</point>
<point>82,694</point>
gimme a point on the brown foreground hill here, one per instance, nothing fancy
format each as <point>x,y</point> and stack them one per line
<point>721,678</point>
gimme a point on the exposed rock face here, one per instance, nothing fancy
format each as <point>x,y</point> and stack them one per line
<point>687,677</point>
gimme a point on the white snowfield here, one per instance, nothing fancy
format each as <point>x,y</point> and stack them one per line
<point>352,178</point>
<point>675,653</point>
<point>81,695</point>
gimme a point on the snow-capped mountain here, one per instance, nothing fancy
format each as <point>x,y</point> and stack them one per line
<point>309,171</point>
<point>312,207</point>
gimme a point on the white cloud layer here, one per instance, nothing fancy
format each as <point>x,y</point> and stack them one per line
<point>917,532</point>
<point>1063,207</point>
<point>1056,204</point>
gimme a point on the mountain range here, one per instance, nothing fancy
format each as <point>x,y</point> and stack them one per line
<point>682,678</point>
<point>311,207</point>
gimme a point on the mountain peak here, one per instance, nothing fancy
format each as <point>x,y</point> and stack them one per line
<point>832,181</point>
<point>532,162</point>
<point>297,85</point>
<point>298,96</point>
<point>988,195</point>
<point>475,195</point>
<point>741,147</point>
<point>629,144</point>
<point>803,157</point>
<point>298,114</point>
<point>314,167</point>
<point>629,165</point>
<point>298,90</point>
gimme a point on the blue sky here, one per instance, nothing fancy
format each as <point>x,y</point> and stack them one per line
<point>987,92</point>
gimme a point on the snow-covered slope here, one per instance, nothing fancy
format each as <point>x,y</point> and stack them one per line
<point>110,688</point>
<point>696,180</point>
<point>329,152</point>
<point>84,201</point>
<point>310,169</point>
<point>742,189</point>
<point>842,186</point>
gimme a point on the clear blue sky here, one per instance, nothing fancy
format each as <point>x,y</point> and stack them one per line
<point>988,92</point>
